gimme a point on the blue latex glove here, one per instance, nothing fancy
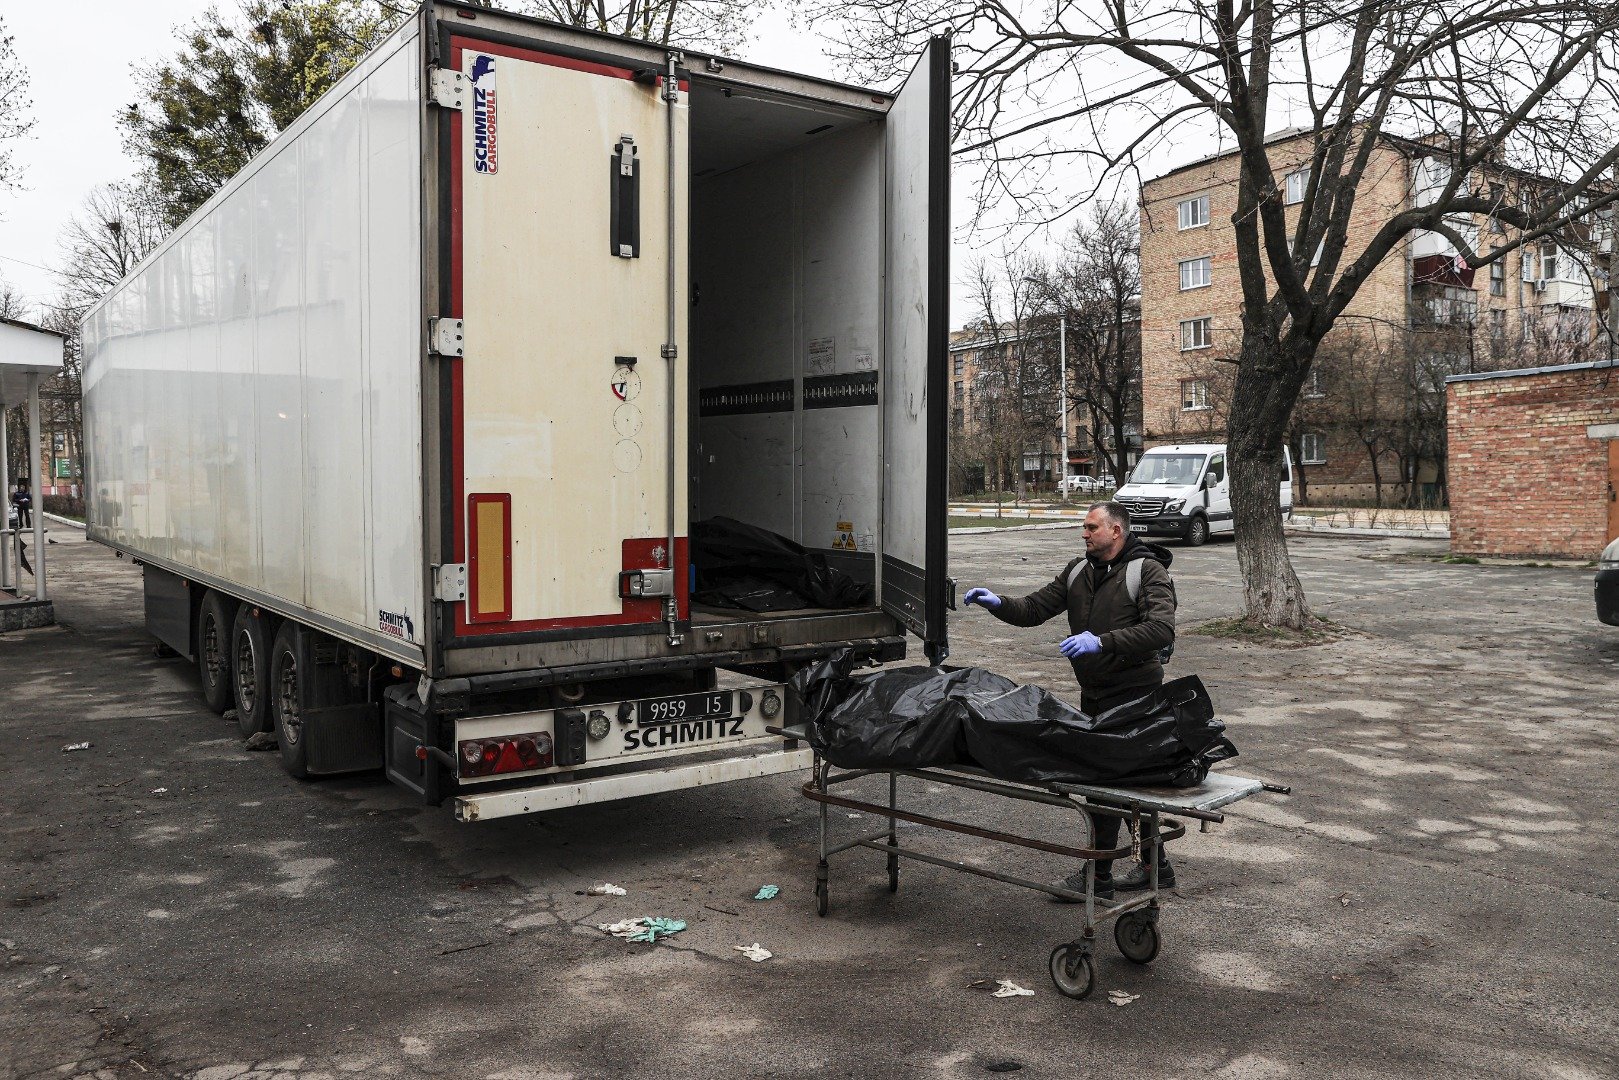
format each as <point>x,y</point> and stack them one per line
<point>1080,645</point>
<point>983,598</point>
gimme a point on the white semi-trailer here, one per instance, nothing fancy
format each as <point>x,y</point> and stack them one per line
<point>407,424</point>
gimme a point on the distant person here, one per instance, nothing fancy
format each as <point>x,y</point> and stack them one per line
<point>24,502</point>
<point>1118,634</point>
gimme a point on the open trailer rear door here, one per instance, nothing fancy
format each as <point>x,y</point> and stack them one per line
<point>561,405</point>
<point>916,350</point>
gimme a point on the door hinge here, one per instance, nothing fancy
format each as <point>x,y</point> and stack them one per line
<point>450,582</point>
<point>445,337</point>
<point>448,88</point>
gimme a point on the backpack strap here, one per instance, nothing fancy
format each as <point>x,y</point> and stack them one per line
<point>1073,575</point>
<point>1132,578</point>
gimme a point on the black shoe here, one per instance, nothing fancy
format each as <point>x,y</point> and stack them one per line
<point>1136,878</point>
<point>1076,882</point>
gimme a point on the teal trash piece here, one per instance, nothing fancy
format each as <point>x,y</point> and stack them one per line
<point>767,892</point>
<point>656,928</point>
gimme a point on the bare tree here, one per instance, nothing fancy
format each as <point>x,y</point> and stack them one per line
<point>15,121</point>
<point>117,226</point>
<point>1014,388</point>
<point>1096,287</point>
<point>1052,96</point>
<point>720,25</point>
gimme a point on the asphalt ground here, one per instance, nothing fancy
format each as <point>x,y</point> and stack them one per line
<point>1438,898</point>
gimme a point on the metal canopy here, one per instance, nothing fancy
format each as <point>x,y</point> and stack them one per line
<point>26,350</point>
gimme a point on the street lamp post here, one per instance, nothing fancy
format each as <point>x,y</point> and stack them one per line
<point>1062,406</point>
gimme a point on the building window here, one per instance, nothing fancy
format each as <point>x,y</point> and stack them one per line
<point>1498,324</point>
<point>1194,395</point>
<point>1548,262</point>
<point>1312,448</point>
<point>1197,333</point>
<point>1193,212</point>
<point>960,395</point>
<point>1497,199</point>
<point>1296,182</point>
<point>1528,327</point>
<point>958,420</point>
<point>1195,273</point>
<point>961,364</point>
<point>1313,386</point>
<point>1498,278</point>
<point>1526,265</point>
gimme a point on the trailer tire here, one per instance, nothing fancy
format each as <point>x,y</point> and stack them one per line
<point>286,702</point>
<point>250,670</point>
<point>214,624</point>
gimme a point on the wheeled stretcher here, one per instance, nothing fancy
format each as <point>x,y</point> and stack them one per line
<point>1149,814</point>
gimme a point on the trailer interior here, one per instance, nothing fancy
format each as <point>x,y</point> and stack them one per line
<point>786,322</point>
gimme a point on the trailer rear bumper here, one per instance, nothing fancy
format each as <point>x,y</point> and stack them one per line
<point>627,785</point>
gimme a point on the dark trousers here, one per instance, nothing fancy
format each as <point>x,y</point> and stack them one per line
<point>25,517</point>
<point>1106,826</point>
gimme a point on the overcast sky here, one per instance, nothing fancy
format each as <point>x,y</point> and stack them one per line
<point>75,144</point>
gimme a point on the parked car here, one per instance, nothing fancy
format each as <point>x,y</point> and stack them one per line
<point>1086,484</point>
<point>1607,585</point>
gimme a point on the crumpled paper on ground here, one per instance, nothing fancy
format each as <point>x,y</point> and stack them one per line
<point>755,952</point>
<point>643,929</point>
<point>1008,988</point>
<point>606,889</point>
<point>1120,997</point>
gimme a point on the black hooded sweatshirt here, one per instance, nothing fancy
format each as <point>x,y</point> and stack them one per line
<point>1132,632</point>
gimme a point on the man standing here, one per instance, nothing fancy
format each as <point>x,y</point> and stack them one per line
<point>24,502</point>
<point>1120,619</point>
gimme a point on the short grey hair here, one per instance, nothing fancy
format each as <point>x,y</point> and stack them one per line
<point>1115,512</point>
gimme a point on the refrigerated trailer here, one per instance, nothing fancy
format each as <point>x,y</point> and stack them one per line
<point>407,425</point>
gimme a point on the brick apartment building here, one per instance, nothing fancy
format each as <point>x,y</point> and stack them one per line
<point>1535,461</point>
<point>979,362</point>
<point>1371,420</point>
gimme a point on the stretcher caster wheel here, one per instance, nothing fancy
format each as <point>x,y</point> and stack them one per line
<point>893,873</point>
<point>820,898</point>
<point>1072,971</point>
<point>1136,937</point>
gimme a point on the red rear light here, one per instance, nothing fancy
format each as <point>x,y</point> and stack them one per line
<point>513,753</point>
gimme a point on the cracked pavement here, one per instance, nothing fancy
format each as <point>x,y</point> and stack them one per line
<point>1438,897</point>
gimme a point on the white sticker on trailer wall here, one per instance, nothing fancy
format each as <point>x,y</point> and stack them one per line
<point>485,115</point>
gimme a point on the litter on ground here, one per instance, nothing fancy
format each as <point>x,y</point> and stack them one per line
<point>767,892</point>
<point>70,747</point>
<point>1119,997</point>
<point>604,889</point>
<point>1008,988</point>
<point>642,929</point>
<point>755,952</point>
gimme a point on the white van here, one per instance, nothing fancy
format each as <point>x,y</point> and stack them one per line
<point>1185,491</point>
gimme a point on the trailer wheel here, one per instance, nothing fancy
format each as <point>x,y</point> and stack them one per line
<point>213,649</point>
<point>250,670</point>
<point>286,702</point>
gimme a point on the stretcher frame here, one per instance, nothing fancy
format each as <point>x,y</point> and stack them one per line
<point>1145,811</point>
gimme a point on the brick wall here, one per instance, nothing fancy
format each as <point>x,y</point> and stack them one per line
<point>1525,477</point>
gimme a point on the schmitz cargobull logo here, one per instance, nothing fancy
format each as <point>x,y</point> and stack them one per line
<point>485,118</point>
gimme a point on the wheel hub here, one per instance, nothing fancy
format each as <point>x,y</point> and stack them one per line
<point>247,690</point>
<point>292,724</point>
<point>212,661</point>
